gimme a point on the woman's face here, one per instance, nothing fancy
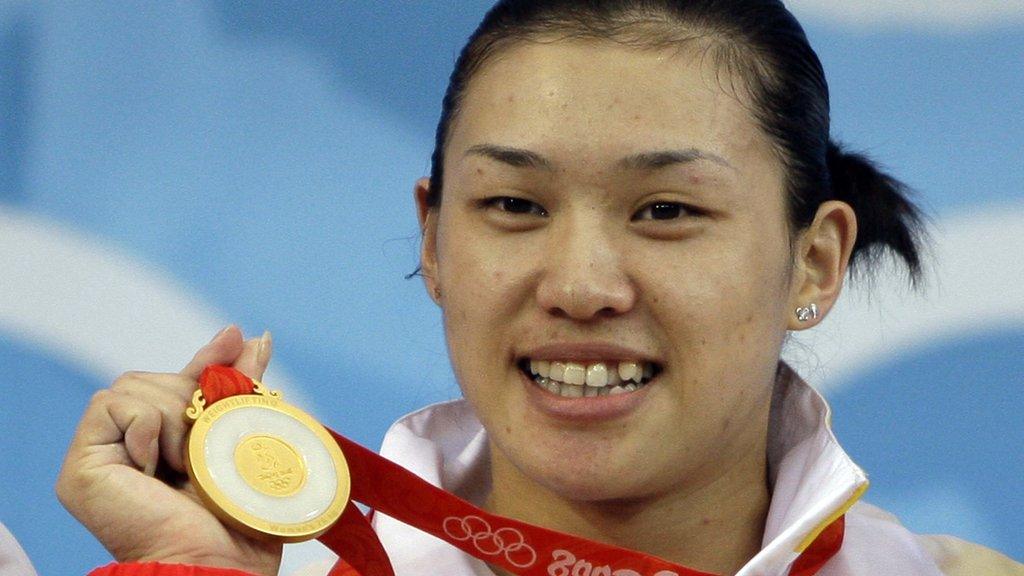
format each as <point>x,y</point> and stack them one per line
<point>605,205</point>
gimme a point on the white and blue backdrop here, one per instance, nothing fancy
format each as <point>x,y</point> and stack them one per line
<point>169,167</point>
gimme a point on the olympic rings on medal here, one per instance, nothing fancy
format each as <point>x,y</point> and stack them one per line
<point>507,540</point>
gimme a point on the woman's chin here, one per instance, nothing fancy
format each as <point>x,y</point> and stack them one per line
<point>588,484</point>
<point>590,493</point>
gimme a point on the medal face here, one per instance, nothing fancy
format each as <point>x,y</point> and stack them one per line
<point>267,468</point>
<point>270,465</point>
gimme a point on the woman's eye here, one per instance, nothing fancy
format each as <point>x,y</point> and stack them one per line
<point>663,211</point>
<point>514,205</point>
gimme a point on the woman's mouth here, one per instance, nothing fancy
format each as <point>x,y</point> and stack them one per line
<point>573,379</point>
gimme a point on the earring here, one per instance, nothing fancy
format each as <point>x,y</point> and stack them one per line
<point>809,312</point>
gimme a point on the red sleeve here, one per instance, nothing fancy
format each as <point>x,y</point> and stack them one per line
<point>157,569</point>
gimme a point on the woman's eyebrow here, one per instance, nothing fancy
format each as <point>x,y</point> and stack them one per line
<point>516,157</point>
<point>656,159</point>
<point>645,161</point>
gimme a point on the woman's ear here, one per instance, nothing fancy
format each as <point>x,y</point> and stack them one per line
<point>428,238</point>
<point>822,255</point>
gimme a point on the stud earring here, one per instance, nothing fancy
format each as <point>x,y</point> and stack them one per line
<point>809,312</point>
<point>805,314</point>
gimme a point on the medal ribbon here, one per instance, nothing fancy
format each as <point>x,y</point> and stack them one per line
<point>516,546</point>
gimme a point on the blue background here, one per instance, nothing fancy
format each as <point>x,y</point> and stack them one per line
<point>256,159</point>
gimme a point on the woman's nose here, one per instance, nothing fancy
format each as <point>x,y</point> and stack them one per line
<point>583,277</point>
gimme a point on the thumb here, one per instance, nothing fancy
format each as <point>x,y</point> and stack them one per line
<point>223,349</point>
<point>255,356</point>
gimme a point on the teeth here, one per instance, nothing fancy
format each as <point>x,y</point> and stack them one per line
<point>570,391</point>
<point>573,391</point>
<point>557,371</point>
<point>613,378</point>
<point>576,380</point>
<point>544,368</point>
<point>628,370</point>
<point>575,374</point>
<point>597,375</point>
<point>540,368</point>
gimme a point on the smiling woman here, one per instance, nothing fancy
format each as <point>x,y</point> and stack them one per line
<point>622,208</point>
<point>632,204</point>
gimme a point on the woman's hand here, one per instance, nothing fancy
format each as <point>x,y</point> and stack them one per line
<point>123,477</point>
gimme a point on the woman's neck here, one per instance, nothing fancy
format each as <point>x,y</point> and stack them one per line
<point>715,525</point>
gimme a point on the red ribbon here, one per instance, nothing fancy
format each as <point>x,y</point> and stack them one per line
<point>516,546</point>
<point>219,382</point>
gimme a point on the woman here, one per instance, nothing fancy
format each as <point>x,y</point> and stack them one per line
<point>631,204</point>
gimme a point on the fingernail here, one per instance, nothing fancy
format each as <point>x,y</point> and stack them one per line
<point>265,347</point>
<point>221,333</point>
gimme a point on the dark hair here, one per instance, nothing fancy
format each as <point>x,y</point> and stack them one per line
<point>758,41</point>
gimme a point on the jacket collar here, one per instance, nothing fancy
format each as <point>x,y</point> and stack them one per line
<point>812,479</point>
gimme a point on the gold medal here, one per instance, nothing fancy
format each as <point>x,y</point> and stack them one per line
<point>265,467</point>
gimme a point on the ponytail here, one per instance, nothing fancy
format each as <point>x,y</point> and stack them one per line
<point>887,220</point>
